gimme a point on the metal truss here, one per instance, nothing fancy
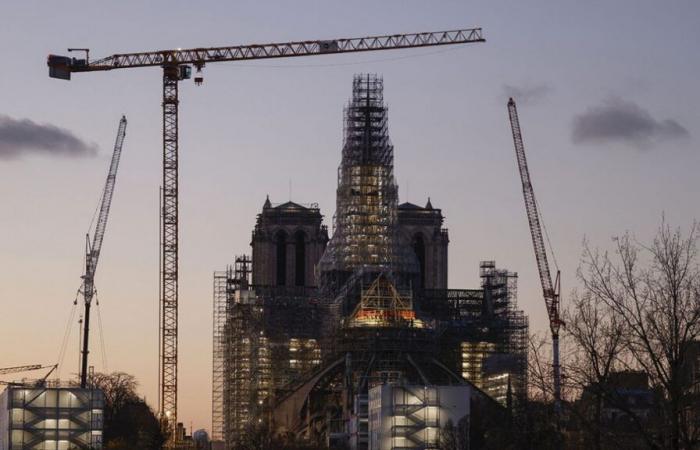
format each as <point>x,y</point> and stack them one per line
<point>218,354</point>
<point>200,56</point>
<point>169,251</point>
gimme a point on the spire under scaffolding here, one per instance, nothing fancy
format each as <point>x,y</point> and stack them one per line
<point>365,221</point>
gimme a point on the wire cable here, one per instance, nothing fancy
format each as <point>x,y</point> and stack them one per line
<point>102,338</point>
<point>546,235</point>
<point>94,214</point>
<point>66,334</point>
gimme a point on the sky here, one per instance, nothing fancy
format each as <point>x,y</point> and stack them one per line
<point>606,92</point>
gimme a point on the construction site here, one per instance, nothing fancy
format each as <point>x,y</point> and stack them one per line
<point>345,336</point>
<point>310,325</point>
<point>351,315</point>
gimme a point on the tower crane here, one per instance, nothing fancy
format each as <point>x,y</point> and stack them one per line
<point>550,290</point>
<point>92,252</point>
<point>176,66</point>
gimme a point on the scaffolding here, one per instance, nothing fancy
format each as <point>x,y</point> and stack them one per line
<point>265,338</point>
<point>383,305</point>
<point>484,334</point>
<point>246,365</point>
<point>219,322</point>
<point>473,356</point>
<point>504,370</point>
<point>365,220</point>
<point>308,356</point>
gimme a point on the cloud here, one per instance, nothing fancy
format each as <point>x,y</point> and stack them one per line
<point>527,94</point>
<point>25,137</point>
<point>623,121</point>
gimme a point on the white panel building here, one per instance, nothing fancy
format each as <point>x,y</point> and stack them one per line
<point>50,418</point>
<point>405,417</point>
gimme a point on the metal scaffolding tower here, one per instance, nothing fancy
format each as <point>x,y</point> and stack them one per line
<point>220,314</point>
<point>365,233</point>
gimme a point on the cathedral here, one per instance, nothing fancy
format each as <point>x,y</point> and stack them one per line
<point>311,322</point>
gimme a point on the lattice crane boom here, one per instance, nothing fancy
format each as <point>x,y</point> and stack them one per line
<point>92,255</point>
<point>62,66</point>
<point>550,290</point>
<point>17,369</point>
<point>177,65</point>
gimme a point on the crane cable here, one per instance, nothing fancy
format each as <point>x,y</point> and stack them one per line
<point>66,334</point>
<point>68,330</point>
<point>102,338</point>
<point>97,209</point>
<point>546,235</point>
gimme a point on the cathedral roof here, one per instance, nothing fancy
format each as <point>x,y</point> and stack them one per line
<point>408,205</point>
<point>290,205</point>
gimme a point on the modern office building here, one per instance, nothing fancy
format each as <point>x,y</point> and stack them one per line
<point>50,417</point>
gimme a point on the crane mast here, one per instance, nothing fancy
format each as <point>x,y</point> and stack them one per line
<point>92,254</point>
<point>177,66</point>
<point>550,290</point>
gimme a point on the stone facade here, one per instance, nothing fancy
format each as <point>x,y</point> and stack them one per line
<point>420,228</point>
<point>287,243</point>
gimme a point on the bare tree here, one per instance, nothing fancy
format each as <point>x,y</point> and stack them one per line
<point>597,336</point>
<point>540,375</point>
<point>129,423</point>
<point>119,388</point>
<point>653,293</point>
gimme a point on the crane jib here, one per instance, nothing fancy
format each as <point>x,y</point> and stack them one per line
<point>62,66</point>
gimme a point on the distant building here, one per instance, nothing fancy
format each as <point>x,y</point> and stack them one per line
<point>201,440</point>
<point>50,418</point>
<point>625,403</point>
<point>691,386</point>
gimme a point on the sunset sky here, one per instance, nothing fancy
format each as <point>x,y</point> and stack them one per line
<point>608,100</point>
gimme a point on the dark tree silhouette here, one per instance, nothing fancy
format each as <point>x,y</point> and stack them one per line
<point>129,423</point>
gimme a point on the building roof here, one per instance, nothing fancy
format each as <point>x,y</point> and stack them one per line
<point>290,205</point>
<point>412,206</point>
<point>408,205</point>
